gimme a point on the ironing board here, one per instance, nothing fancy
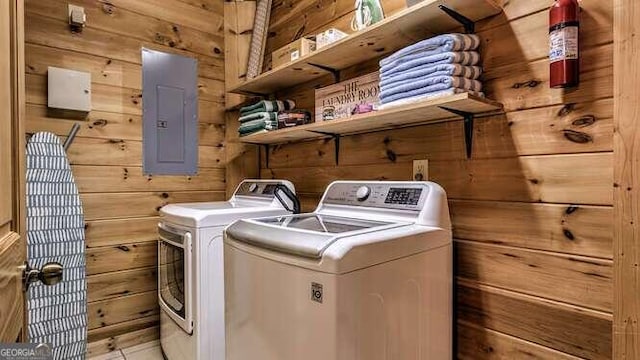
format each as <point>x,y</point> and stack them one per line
<point>57,314</point>
<point>259,38</point>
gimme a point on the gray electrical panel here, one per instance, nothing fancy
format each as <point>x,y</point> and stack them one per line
<point>170,113</point>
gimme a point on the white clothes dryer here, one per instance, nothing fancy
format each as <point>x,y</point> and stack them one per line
<point>191,266</point>
<point>366,276</point>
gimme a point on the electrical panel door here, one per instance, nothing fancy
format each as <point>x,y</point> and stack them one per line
<point>170,113</point>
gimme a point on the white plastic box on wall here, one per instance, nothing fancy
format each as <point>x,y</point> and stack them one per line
<point>69,91</point>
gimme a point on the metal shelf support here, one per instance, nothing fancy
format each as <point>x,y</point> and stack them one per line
<point>336,143</point>
<point>468,127</point>
<point>334,72</point>
<point>266,154</point>
<point>469,25</point>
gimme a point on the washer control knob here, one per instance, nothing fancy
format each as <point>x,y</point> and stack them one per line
<point>363,193</point>
<point>253,187</point>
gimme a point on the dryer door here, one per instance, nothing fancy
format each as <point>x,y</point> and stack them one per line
<point>175,283</point>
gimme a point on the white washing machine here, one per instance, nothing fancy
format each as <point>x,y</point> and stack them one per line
<point>191,267</point>
<point>366,276</point>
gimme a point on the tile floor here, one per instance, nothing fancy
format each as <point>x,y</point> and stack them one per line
<point>146,351</point>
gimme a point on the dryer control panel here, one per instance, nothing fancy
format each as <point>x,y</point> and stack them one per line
<point>390,195</point>
<point>258,188</point>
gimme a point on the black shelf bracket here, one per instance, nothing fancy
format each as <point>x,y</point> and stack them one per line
<point>336,143</point>
<point>468,127</point>
<point>266,154</point>
<point>334,72</point>
<point>469,25</point>
<point>266,147</point>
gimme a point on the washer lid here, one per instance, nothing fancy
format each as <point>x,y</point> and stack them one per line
<point>322,223</point>
<point>305,235</point>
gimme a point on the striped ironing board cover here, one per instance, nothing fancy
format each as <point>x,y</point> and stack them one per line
<point>55,232</point>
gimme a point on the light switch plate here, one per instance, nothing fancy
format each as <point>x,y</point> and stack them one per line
<point>421,170</point>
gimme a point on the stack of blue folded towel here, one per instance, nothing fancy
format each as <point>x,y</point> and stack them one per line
<point>443,65</point>
<point>262,116</point>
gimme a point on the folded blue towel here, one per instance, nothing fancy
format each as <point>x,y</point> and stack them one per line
<point>428,96</point>
<point>466,58</point>
<point>469,72</point>
<point>384,99</point>
<point>441,82</point>
<point>435,45</point>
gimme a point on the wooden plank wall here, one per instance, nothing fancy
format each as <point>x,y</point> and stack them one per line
<point>121,204</point>
<point>532,210</point>
<point>626,235</point>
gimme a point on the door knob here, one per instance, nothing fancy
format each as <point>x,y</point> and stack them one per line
<point>50,274</point>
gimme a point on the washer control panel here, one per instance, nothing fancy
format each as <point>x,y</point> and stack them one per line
<point>363,193</point>
<point>399,195</point>
<point>258,188</point>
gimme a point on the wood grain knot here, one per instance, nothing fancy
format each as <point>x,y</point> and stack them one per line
<point>530,84</point>
<point>568,234</point>
<point>584,121</point>
<point>577,136</point>
<point>99,123</point>
<point>108,8</point>
<point>566,109</point>
<point>123,248</point>
<point>571,209</point>
<point>391,155</point>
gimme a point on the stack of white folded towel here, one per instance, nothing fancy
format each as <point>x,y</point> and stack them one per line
<point>443,65</point>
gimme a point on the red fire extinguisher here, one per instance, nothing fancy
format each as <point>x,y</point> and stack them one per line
<point>564,24</point>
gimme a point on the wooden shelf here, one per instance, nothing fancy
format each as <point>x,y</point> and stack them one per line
<point>395,32</point>
<point>430,111</point>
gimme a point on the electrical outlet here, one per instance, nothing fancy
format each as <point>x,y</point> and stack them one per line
<point>421,170</point>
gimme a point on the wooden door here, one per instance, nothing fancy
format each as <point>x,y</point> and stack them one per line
<point>12,242</point>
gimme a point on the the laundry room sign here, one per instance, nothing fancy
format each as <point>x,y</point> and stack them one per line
<point>340,100</point>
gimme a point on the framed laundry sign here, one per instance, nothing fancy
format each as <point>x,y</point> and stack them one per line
<point>339,101</point>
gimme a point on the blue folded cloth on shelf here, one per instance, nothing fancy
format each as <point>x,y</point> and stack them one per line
<point>465,58</point>
<point>423,90</point>
<point>425,85</point>
<point>427,96</point>
<point>435,45</point>
<point>469,72</point>
<point>263,115</point>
